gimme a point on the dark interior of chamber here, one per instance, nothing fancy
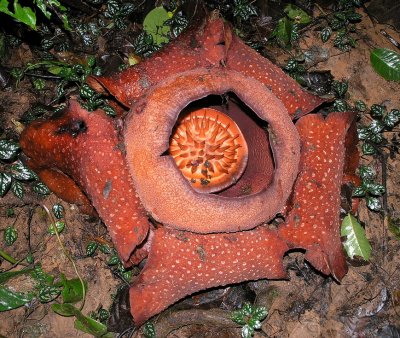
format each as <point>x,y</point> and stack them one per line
<point>260,165</point>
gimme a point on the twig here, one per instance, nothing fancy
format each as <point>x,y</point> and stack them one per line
<point>390,38</point>
<point>67,255</point>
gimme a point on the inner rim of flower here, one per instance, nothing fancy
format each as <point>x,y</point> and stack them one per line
<point>209,149</point>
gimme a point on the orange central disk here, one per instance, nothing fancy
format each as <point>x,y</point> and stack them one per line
<point>209,149</point>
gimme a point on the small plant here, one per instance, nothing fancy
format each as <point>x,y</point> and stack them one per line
<point>372,135</point>
<point>250,317</point>
<point>113,261</point>
<point>286,32</point>
<point>342,21</point>
<point>27,15</point>
<point>369,188</point>
<point>15,173</point>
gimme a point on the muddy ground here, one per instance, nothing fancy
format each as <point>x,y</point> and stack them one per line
<point>365,304</point>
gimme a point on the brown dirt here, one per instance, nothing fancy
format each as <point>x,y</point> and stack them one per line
<point>308,305</point>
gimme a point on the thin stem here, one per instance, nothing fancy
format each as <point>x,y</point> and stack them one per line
<point>67,255</point>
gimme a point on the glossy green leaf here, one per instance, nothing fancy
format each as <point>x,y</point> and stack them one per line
<point>40,188</point>
<point>374,203</point>
<point>361,106</point>
<point>103,315</point>
<point>154,24</point>
<point>5,276</point>
<point>66,310</point>
<point>368,148</point>
<point>359,192</point>
<point>149,331</point>
<point>282,32</point>
<point>8,149</point>
<point>25,15</point>
<point>47,293</point>
<point>10,300</point>
<point>21,172</point>
<point>114,260</point>
<point>17,188</point>
<point>326,33</point>
<point>41,277</point>
<point>377,110</point>
<point>243,9</point>
<point>91,326</point>
<point>366,172</point>
<point>5,183</point>
<point>355,243</point>
<point>386,63</point>
<point>72,291</point>
<point>59,227</point>
<point>10,235</point>
<point>91,248</point>
<point>392,118</point>
<point>340,87</point>
<point>58,210</point>
<point>297,14</point>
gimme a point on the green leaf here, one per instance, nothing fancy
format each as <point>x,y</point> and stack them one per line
<point>374,203</point>
<point>377,111</point>
<point>326,34</point>
<point>5,276</point>
<point>66,310</point>
<point>86,92</point>
<point>21,172</point>
<point>356,243</point>
<point>91,248</point>
<point>10,300</point>
<point>149,331</point>
<point>340,105</point>
<point>17,189</point>
<point>72,291</point>
<point>10,235</point>
<point>59,227</point>
<point>25,15</point>
<point>114,260</point>
<point>359,191</point>
<point>368,148</point>
<point>91,326</point>
<point>366,172</point>
<point>4,7</point>
<point>243,9</point>
<point>5,183</point>
<point>361,106</point>
<point>43,278</point>
<point>103,315</point>
<point>374,188</point>
<point>340,87</point>
<point>297,14</point>
<point>40,188</point>
<point>282,32</point>
<point>376,127</point>
<point>58,210</point>
<point>8,149</point>
<point>153,24</point>
<point>110,111</point>
<point>105,248</point>
<point>386,63</point>
<point>392,118</point>
<point>47,293</point>
<point>394,228</point>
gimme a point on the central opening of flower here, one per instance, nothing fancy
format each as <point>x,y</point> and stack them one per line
<point>209,149</point>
